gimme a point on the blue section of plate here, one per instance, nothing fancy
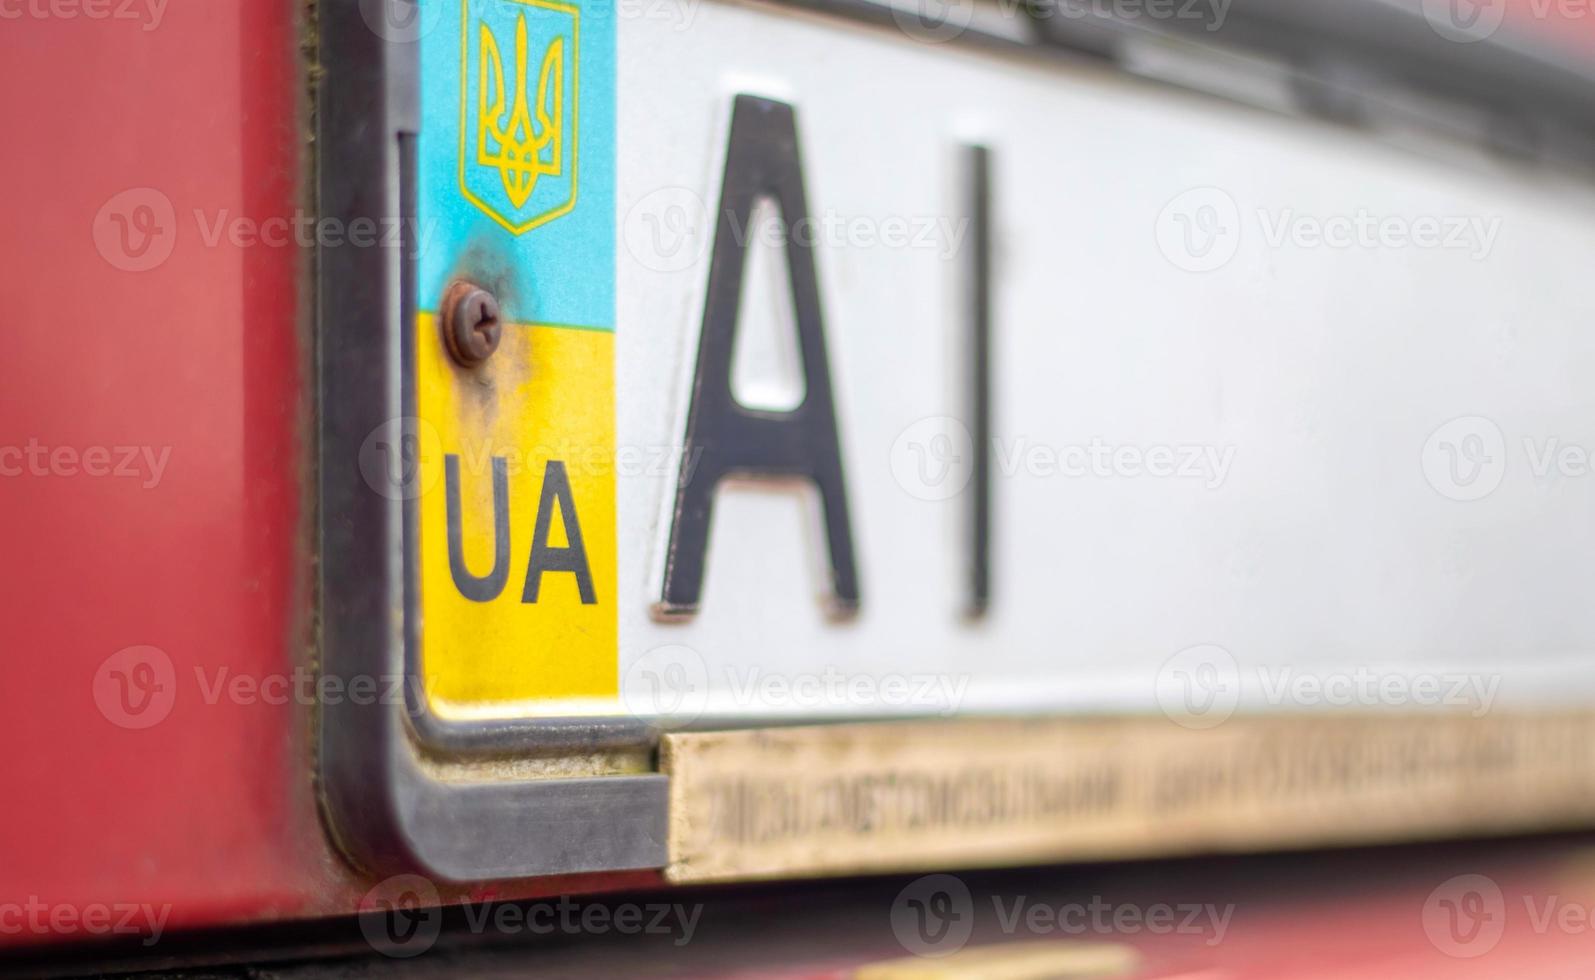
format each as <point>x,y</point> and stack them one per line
<point>517,156</point>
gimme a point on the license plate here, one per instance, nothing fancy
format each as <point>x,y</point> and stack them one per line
<point>1246,378</point>
<point>765,368</point>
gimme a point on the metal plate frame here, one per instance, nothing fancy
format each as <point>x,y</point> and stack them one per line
<point>1351,61</point>
<point>382,798</point>
<point>386,806</point>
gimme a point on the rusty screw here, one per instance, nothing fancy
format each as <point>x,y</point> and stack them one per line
<point>471,327</point>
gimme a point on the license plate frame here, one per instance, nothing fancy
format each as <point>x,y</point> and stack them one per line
<point>392,807</point>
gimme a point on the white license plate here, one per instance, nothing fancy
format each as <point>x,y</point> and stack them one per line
<point>1268,400</point>
<point>1265,398</point>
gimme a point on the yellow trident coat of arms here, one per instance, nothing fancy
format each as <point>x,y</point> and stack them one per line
<point>518,146</point>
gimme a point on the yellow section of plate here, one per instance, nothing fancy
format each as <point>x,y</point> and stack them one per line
<point>517,524</point>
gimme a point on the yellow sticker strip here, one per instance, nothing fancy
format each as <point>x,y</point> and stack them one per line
<point>860,798</point>
<point>517,524</point>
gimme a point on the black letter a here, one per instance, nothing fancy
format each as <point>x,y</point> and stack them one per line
<point>723,436</point>
<point>573,557</point>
